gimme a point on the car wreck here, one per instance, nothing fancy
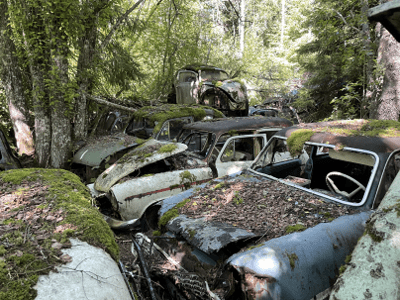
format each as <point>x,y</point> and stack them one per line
<point>156,170</point>
<point>303,204</point>
<point>212,86</point>
<point>159,122</point>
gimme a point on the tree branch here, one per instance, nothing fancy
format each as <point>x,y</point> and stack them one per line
<point>344,21</point>
<point>116,25</point>
<point>108,103</point>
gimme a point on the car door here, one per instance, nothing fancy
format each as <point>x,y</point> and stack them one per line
<point>185,86</point>
<point>239,152</point>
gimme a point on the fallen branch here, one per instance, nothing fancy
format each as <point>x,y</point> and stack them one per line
<point>111,104</point>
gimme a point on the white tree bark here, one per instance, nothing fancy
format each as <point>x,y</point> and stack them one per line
<point>374,269</point>
<point>241,26</point>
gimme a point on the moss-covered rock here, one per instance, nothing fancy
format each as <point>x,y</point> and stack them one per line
<point>54,205</point>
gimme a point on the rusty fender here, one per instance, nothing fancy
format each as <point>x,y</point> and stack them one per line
<point>299,265</point>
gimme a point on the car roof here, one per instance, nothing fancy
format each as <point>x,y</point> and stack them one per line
<point>197,67</point>
<point>389,15</point>
<point>379,136</point>
<point>238,124</point>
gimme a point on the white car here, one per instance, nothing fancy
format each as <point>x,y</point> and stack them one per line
<point>157,170</point>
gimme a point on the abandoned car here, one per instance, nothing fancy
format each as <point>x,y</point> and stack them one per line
<point>284,226</point>
<point>212,86</point>
<point>8,159</point>
<point>159,122</point>
<point>156,170</point>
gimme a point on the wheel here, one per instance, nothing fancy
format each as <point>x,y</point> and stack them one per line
<point>333,188</point>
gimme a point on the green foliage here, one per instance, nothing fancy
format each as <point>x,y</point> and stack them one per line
<point>335,59</point>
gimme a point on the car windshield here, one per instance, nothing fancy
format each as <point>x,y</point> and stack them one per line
<point>198,142</point>
<point>342,175</point>
<point>214,75</point>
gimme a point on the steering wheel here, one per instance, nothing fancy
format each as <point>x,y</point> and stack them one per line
<point>333,188</point>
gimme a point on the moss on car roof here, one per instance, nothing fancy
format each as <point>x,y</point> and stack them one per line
<point>375,135</point>
<point>40,209</point>
<point>157,115</point>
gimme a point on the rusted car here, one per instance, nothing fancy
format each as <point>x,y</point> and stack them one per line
<point>284,226</point>
<point>156,170</point>
<point>212,86</point>
<point>8,159</point>
<point>159,122</point>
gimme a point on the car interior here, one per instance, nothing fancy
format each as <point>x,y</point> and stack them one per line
<point>337,173</point>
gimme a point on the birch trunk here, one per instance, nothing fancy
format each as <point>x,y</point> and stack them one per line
<point>12,81</point>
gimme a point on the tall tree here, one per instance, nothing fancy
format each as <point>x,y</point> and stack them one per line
<point>386,105</point>
<point>48,37</point>
<point>11,76</point>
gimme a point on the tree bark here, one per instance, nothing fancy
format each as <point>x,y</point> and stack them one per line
<point>387,103</point>
<point>12,81</point>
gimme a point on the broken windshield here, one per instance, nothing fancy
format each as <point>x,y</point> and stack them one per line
<point>217,75</point>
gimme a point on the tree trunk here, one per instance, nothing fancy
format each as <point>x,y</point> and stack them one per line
<point>242,27</point>
<point>387,103</point>
<point>282,23</point>
<point>374,269</point>
<point>368,63</point>
<point>42,117</point>
<point>84,79</point>
<point>12,81</point>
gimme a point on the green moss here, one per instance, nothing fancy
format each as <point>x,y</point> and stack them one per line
<point>327,214</point>
<point>375,235</point>
<point>157,115</point>
<point>2,250</point>
<point>218,185</point>
<point>294,228</point>
<point>237,199</point>
<point>255,246</point>
<point>233,132</point>
<point>292,260</point>
<point>156,233</point>
<point>174,186</point>
<point>167,148</point>
<point>342,269</point>
<point>171,214</point>
<point>66,192</point>
<point>348,259</point>
<point>331,219</point>
<point>192,233</point>
<point>297,139</point>
<point>187,179</point>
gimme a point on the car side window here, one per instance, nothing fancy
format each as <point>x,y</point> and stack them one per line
<point>242,149</point>
<point>390,172</point>
<point>171,129</point>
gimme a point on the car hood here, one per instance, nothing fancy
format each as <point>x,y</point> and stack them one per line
<point>147,153</point>
<point>97,149</point>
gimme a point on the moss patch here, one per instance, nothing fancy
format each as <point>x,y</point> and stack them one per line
<point>171,214</point>
<point>55,206</point>
<point>292,260</point>
<point>297,139</point>
<point>294,228</point>
<point>167,148</point>
<point>186,179</point>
